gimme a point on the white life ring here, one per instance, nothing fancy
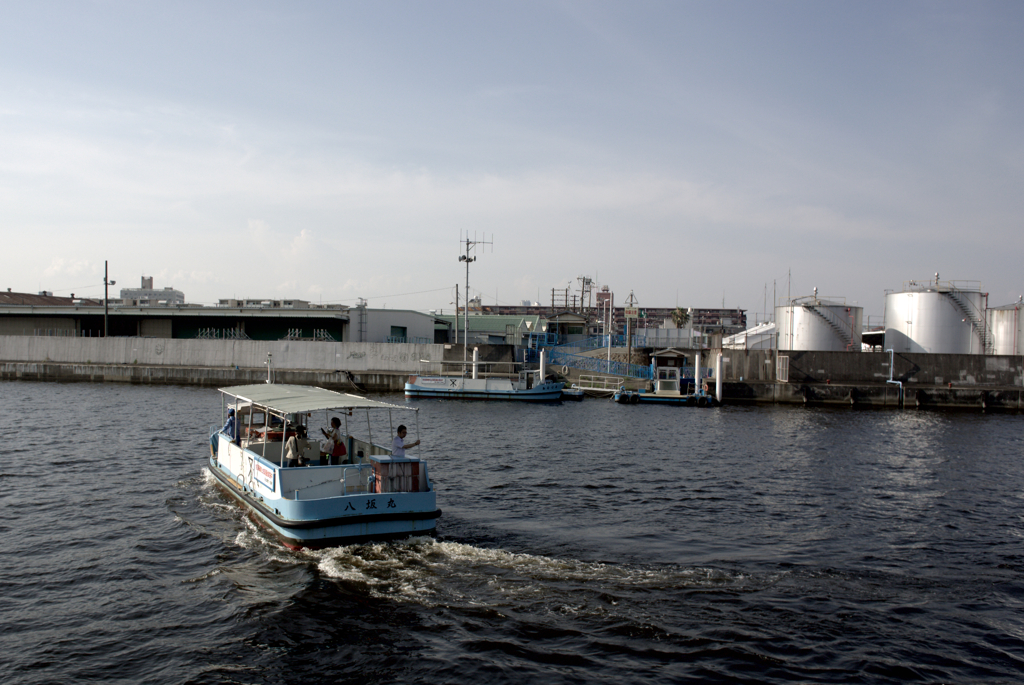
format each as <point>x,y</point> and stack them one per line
<point>565,370</point>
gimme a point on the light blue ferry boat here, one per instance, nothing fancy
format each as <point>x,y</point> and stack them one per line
<point>371,495</point>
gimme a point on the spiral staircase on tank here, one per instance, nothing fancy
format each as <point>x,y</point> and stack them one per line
<point>978,323</point>
<point>841,328</point>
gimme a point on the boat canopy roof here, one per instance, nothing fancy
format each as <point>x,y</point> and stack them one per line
<point>290,399</point>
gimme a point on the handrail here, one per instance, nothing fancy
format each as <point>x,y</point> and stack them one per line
<point>359,470</point>
<point>598,383</point>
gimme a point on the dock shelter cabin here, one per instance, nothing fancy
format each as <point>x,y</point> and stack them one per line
<point>673,370</point>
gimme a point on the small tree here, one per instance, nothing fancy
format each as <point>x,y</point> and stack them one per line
<point>680,317</point>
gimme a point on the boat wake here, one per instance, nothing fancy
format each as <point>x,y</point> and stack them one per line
<point>432,572</point>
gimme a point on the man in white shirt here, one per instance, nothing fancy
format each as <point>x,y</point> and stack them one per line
<point>398,446</point>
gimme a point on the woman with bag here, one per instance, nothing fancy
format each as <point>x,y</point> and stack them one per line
<point>334,445</point>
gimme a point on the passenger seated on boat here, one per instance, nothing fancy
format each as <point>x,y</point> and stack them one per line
<point>229,428</point>
<point>334,445</point>
<point>398,446</point>
<point>294,448</point>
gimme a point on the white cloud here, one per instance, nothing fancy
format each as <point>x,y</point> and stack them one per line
<point>632,157</point>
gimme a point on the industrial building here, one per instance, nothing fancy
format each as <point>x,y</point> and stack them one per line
<point>26,314</point>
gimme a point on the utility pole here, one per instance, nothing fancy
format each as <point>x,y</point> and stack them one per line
<point>470,245</point>
<point>105,296</point>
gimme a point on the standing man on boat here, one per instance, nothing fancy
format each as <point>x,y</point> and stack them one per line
<point>398,446</point>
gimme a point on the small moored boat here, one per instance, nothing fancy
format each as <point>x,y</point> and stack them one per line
<point>369,494</point>
<point>529,386</point>
<point>573,394</point>
<point>524,389</point>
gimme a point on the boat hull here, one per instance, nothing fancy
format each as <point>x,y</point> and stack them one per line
<point>332,528</point>
<point>633,397</point>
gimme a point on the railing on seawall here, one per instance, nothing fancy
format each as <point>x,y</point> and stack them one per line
<point>642,338</point>
<point>413,340</point>
<point>586,345</point>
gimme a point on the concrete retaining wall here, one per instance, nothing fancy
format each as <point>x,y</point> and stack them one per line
<point>245,354</point>
<point>178,375</point>
<point>840,378</point>
<point>359,367</point>
<point>913,369</point>
<point>830,378</point>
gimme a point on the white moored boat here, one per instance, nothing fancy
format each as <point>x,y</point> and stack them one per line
<point>372,496</point>
<point>529,386</point>
<point>456,388</point>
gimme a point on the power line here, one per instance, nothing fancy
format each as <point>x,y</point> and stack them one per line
<point>378,297</point>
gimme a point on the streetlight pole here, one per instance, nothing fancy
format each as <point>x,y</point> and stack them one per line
<point>631,303</point>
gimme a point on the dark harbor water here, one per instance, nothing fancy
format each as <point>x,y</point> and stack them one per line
<point>580,543</point>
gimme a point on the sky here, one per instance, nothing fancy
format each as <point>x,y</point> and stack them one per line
<point>696,154</point>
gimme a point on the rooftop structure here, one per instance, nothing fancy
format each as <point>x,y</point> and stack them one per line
<point>148,296</point>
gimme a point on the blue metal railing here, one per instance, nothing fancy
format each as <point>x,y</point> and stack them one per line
<point>559,357</point>
<point>600,341</point>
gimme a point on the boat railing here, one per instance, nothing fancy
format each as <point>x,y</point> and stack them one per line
<point>354,479</point>
<point>363,449</point>
<point>326,481</point>
<point>358,484</point>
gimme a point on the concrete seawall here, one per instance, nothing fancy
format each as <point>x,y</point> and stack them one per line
<point>861,379</point>
<point>361,367</point>
<point>185,375</point>
<point>822,378</point>
<point>245,354</point>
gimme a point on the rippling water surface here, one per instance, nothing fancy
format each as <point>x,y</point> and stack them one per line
<point>586,542</point>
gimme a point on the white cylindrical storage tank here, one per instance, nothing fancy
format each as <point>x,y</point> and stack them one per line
<point>814,324</point>
<point>1006,328</point>
<point>938,318</point>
